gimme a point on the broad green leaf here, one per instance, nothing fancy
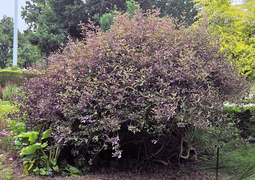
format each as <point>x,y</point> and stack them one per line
<point>36,169</point>
<point>55,168</point>
<point>30,149</point>
<point>72,169</point>
<point>37,128</point>
<point>42,172</point>
<point>44,144</point>
<point>33,137</point>
<point>26,135</point>
<point>53,161</point>
<point>46,134</point>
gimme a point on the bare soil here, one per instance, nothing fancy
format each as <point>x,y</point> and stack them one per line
<point>189,171</point>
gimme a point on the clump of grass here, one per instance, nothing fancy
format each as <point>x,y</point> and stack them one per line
<point>238,160</point>
<point>201,140</point>
<point>10,89</point>
<point>235,160</point>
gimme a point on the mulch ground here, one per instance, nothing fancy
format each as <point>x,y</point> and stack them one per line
<point>189,171</point>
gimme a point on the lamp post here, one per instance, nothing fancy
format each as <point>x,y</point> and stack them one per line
<point>15,34</point>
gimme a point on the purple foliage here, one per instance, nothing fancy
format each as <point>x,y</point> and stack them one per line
<point>146,75</point>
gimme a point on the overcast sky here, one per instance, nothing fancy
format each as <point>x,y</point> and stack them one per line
<point>7,8</point>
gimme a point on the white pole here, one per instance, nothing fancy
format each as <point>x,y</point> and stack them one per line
<point>15,34</point>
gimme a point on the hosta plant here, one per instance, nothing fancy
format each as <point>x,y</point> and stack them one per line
<point>36,161</point>
<point>137,85</point>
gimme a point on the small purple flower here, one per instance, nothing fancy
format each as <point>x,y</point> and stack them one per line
<point>3,132</point>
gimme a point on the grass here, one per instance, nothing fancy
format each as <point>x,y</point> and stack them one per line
<point>9,90</point>
<point>235,160</point>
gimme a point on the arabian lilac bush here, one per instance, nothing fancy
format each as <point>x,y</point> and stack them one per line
<point>141,82</point>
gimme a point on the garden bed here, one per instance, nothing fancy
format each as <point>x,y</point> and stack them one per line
<point>189,171</point>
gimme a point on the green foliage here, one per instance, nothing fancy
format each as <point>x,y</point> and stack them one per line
<point>4,103</point>
<point>10,90</point>
<point>202,140</point>
<point>242,119</point>
<point>5,109</point>
<point>236,160</point>
<point>106,21</point>
<point>132,6</point>
<point>6,40</point>
<point>235,25</point>
<point>14,76</point>
<point>140,83</point>
<point>9,75</point>
<point>28,54</point>
<point>52,21</point>
<point>107,18</point>
<point>178,9</point>
<point>34,149</point>
<point>97,8</point>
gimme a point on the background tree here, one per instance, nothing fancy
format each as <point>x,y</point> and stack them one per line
<point>235,24</point>
<point>27,53</point>
<point>6,41</point>
<point>107,18</point>
<point>178,8</point>
<point>52,22</point>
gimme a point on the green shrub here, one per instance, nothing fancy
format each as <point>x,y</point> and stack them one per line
<point>131,90</point>
<point>13,76</point>
<point>9,75</point>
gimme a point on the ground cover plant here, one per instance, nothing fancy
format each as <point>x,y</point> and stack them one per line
<point>130,92</point>
<point>8,129</point>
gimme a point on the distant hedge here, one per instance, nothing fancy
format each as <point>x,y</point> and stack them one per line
<point>13,76</point>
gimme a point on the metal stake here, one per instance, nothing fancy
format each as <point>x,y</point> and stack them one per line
<point>217,163</point>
